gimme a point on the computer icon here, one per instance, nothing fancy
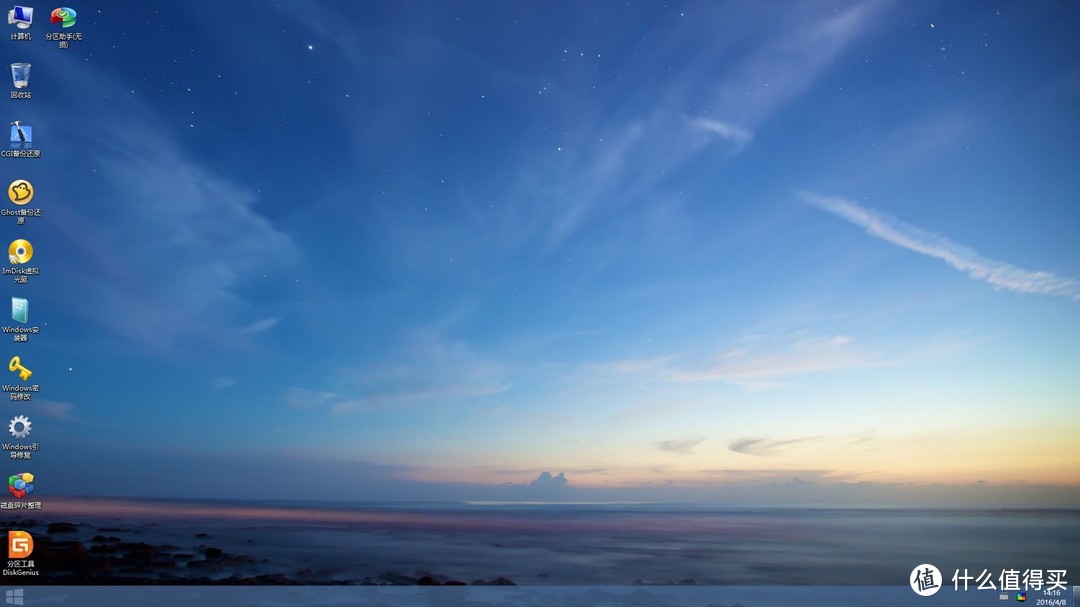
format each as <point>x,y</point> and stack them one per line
<point>21,17</point>
<point>20,309</point>
<point>64,16</point>
<point>20,75</point>
<point>20,544</point>
<point>22,134</point>
<point>20,192</point>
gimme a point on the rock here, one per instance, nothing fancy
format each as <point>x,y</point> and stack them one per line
<point>274,579</point>
<point>138,549</point>
<point>499,581</point>
<point>396,579</point>
<point>101,539</point>
<point>109,549</point>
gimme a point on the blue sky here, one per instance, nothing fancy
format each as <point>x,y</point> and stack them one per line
<point>671,251</point>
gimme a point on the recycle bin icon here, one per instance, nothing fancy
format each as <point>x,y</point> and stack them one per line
<point>20,73</point>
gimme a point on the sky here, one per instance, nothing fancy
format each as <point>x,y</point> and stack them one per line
<point>704,251</point>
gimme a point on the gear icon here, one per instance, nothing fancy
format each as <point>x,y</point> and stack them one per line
<point>13,427</point>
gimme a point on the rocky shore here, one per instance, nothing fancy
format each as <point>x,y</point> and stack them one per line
<point>114,555</point>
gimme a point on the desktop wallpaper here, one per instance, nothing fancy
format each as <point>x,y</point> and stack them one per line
<point>552,293</point>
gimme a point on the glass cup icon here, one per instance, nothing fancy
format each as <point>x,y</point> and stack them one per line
<point>20,73</point>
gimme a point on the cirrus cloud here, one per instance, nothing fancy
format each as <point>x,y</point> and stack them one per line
<point>998,273</point>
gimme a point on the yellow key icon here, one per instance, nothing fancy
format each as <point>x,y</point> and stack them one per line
<point>16,365</point>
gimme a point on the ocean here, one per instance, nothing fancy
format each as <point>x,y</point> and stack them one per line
<point>556,544</point>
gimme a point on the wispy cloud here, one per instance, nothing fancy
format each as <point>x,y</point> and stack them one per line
<point>56,409</point>
<point>736,134</point>
<point>998,273</point>
<point>786,58</point>
<point>664,409</point>
<point>756,364</point>
<point>199,234</point>
<point>632,365</point>
<point>679,446</point>
<point>262,325</point>
<point>763,365</point>
<point>302,398</point>
<point>764,447</point>
<point>426,369</point>
<point>789,56</point>
<point>375,397</point>
<point>222,383</point>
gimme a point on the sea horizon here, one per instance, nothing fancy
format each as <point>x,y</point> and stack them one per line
<point>688,505</point>
<point>220,540</point>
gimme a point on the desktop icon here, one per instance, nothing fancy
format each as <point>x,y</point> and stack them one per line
<point>20,251</point>
<point>64,16</point>
<point>21,134</point>
<point>20,73</point>
<point>14,596</point>
<point>20,309</point>
<point>19,426</point>
<point>15,366</point>
<point>20,191</point>
<point>20,485</point>
<point>20,16</point>
<point>20,544</point>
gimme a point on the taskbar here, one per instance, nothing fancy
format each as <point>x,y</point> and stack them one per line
<point>524,596</point>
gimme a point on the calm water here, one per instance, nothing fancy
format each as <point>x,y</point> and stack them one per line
<point>603,544</point>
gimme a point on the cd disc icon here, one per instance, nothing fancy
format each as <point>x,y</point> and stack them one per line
<point>20,191</point>
<point>20,251</point>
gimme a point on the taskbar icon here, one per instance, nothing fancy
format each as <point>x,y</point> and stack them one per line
<point>15,596</point>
